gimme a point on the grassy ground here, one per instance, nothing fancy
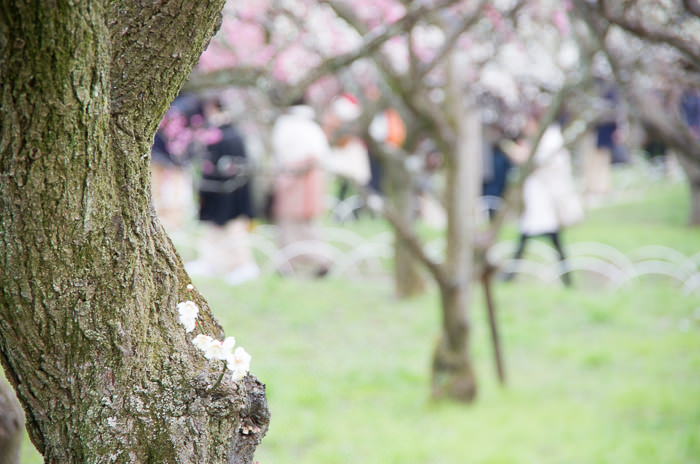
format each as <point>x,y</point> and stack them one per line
<point>594,376</point>
<point>591,378</point>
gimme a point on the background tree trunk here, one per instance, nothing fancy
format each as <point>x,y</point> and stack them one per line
<point>89,335</point>
<point>453,374</point>
<point>692,172</point>
<point>408,280</point>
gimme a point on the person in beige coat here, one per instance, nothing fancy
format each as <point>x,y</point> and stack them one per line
<point>300,149</point>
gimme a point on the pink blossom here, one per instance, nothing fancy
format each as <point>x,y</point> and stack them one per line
<point>561,21</point>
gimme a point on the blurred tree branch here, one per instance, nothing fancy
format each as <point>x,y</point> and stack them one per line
<point>687,44</point>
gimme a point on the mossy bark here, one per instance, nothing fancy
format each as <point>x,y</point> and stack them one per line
<point>89,335</point>
<point>453,374</point>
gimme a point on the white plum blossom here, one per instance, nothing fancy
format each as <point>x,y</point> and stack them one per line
<point>220,350</point>
<point>239,364</point>
<point>188,314</point>
<point>202,341</point>
<point>228,344</point>
<point>238,361</point>
<point>215,349</point>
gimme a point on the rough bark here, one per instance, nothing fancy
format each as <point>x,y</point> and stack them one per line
<point>89,335</point>
<point>11,425</point>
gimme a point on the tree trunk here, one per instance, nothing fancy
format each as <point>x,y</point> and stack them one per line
<point>453,374</point>
<point>11,425</point>
<point>89,332</point>
<point>692,172</point>
<point>408,280</point>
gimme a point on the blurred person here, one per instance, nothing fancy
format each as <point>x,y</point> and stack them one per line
<point>690,109</point>
<point>225,203</point>
<point>429,186</point>
<point>300,149</point>
<point>654,148</point>
<point>690,115</point>
<point>550,202</point>
<point>171,180</point>
<point>496,168</point>
<point>171,185</point>
<point>348,159</point>
<point>608,148</point>
<point>387,128</point>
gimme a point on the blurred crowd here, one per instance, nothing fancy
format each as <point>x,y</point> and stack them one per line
<point>203,167</point>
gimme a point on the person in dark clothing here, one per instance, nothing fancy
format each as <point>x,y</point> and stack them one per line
<point>497,166</point>
<point>690,109</point>
<point>171,184</point>
<point>608,143</point>
<point>224,189</point>
<point>225,202</point>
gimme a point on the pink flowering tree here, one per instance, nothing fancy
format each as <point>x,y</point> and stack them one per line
<point>435,62</point>
<point>448,67</point>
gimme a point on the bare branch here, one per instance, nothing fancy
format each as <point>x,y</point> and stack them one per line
<point>689,47</point>
<point>692,6</point>
<point>250,76</point>
<point>666,125</point>
<point>404,230</point>
<point>404,85</point>
<point>452,38</point>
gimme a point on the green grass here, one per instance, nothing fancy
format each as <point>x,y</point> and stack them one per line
<point>658,217</point>
<point>594,376</point>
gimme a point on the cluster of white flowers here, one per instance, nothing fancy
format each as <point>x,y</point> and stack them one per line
<point>238,361</point>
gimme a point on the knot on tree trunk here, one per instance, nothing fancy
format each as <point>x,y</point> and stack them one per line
<point>255,419</point>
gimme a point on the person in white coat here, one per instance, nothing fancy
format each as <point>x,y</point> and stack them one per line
<point>550,200</point>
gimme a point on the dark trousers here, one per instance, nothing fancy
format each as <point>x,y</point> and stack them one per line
<point>554,238</point>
